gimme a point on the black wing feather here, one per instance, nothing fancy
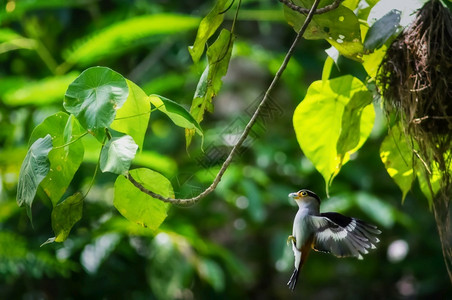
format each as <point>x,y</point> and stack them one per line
<point>343,236</point>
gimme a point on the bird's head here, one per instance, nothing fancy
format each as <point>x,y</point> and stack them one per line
<point>305,197</point>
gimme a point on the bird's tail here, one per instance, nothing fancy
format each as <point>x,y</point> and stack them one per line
<point>301,256</point>
<point>293,279</point>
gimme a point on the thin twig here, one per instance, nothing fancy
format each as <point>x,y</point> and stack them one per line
<point>245,133</point>
<point>305,11</point>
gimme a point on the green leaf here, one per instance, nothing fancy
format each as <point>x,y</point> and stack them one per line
<point>117,154</point>
<point>207,28</point>
<point>372,61</point>
<point>64,161</point>
<point>318,122</point>
<point>429,184</point>
<point>382,30</point>
<point>40,92</point>
<point>397,156</point>
<point>133,117</point>
<point>351,122</point>
<point>34,169</point>
<point>218,56</point>
<point>94,98</point>
<point>178,114</point>
<point>122,36</point>
<point>139,207</point>
<point>339,27</point>
<point>65,215</point>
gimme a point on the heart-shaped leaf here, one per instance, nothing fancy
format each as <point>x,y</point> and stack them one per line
<point>139,207</point>
<point>64,161</point>
<point>94,97</point>
<point>117,154</point>
<point>34,169</point>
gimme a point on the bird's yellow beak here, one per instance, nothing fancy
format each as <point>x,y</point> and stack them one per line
<point>294,195</point>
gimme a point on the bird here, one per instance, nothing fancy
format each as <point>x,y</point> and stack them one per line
<point>328,232</point>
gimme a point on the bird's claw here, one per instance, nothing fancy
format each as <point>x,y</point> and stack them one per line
<point>292,239</point>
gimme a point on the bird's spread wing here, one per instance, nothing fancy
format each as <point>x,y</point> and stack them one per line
<point>343,236</point>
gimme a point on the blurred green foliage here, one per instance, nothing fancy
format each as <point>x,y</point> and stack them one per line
<point>231,245</point>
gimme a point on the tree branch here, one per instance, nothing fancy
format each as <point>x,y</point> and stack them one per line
<point>246,131</point>
<point>305,11</point>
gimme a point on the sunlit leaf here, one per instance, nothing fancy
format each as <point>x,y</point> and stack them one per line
<point>430,184</point>
<point>372,61</point>
<point>133,117</point>
<point>40,92</point>
<point>178,114</point>
<point>351,122</point>
<point>339,27</point>
<point>64,161</point>
<point>124,35</point>
<point>319,118</point>
<point>117,154</point>
<point>34,169</point>
<point>94,97</point>
<point>64,216</point>
<point>397,156</point>
<point>139,207</point>
<point>382,30</point>
<point>218,56</point>
<point>207,28</point>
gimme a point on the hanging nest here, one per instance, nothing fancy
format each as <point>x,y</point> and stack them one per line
<point>416,83</point>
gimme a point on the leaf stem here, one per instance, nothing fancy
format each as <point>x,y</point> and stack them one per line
<point>246,131</point>
<point>71,142</point>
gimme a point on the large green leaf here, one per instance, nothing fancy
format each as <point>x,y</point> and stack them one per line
<point>64,161</point>
<point>94,97</point>
<point>121,36</point>
<point>117,154</point>
<point>178,114</point>
<point>207,28</point>
<point>64,216</point>
<point>139,207</point>
<point>397,156</point>
<point>41,92</point>
<point>218,56</point>
<point>339,27</point>
<point>320,119</point>
<point>34,169</point>
<point>133,117</point>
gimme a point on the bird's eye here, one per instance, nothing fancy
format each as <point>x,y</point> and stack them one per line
<point>304,193</point>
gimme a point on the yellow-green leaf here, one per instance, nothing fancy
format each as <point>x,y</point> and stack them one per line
<point>207,28</point>
<point>64,161</point>
<point>65,215</point>
<point>397,156</point>
<point>218,56</point>
<point>319,120</point>
<point>133,117</point>
<point>339,27</point>
<point>139,207</point>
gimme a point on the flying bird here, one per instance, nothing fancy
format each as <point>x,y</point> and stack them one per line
<point>328,232</point>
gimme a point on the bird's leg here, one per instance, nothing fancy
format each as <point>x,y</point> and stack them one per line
<point>292,239</point>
